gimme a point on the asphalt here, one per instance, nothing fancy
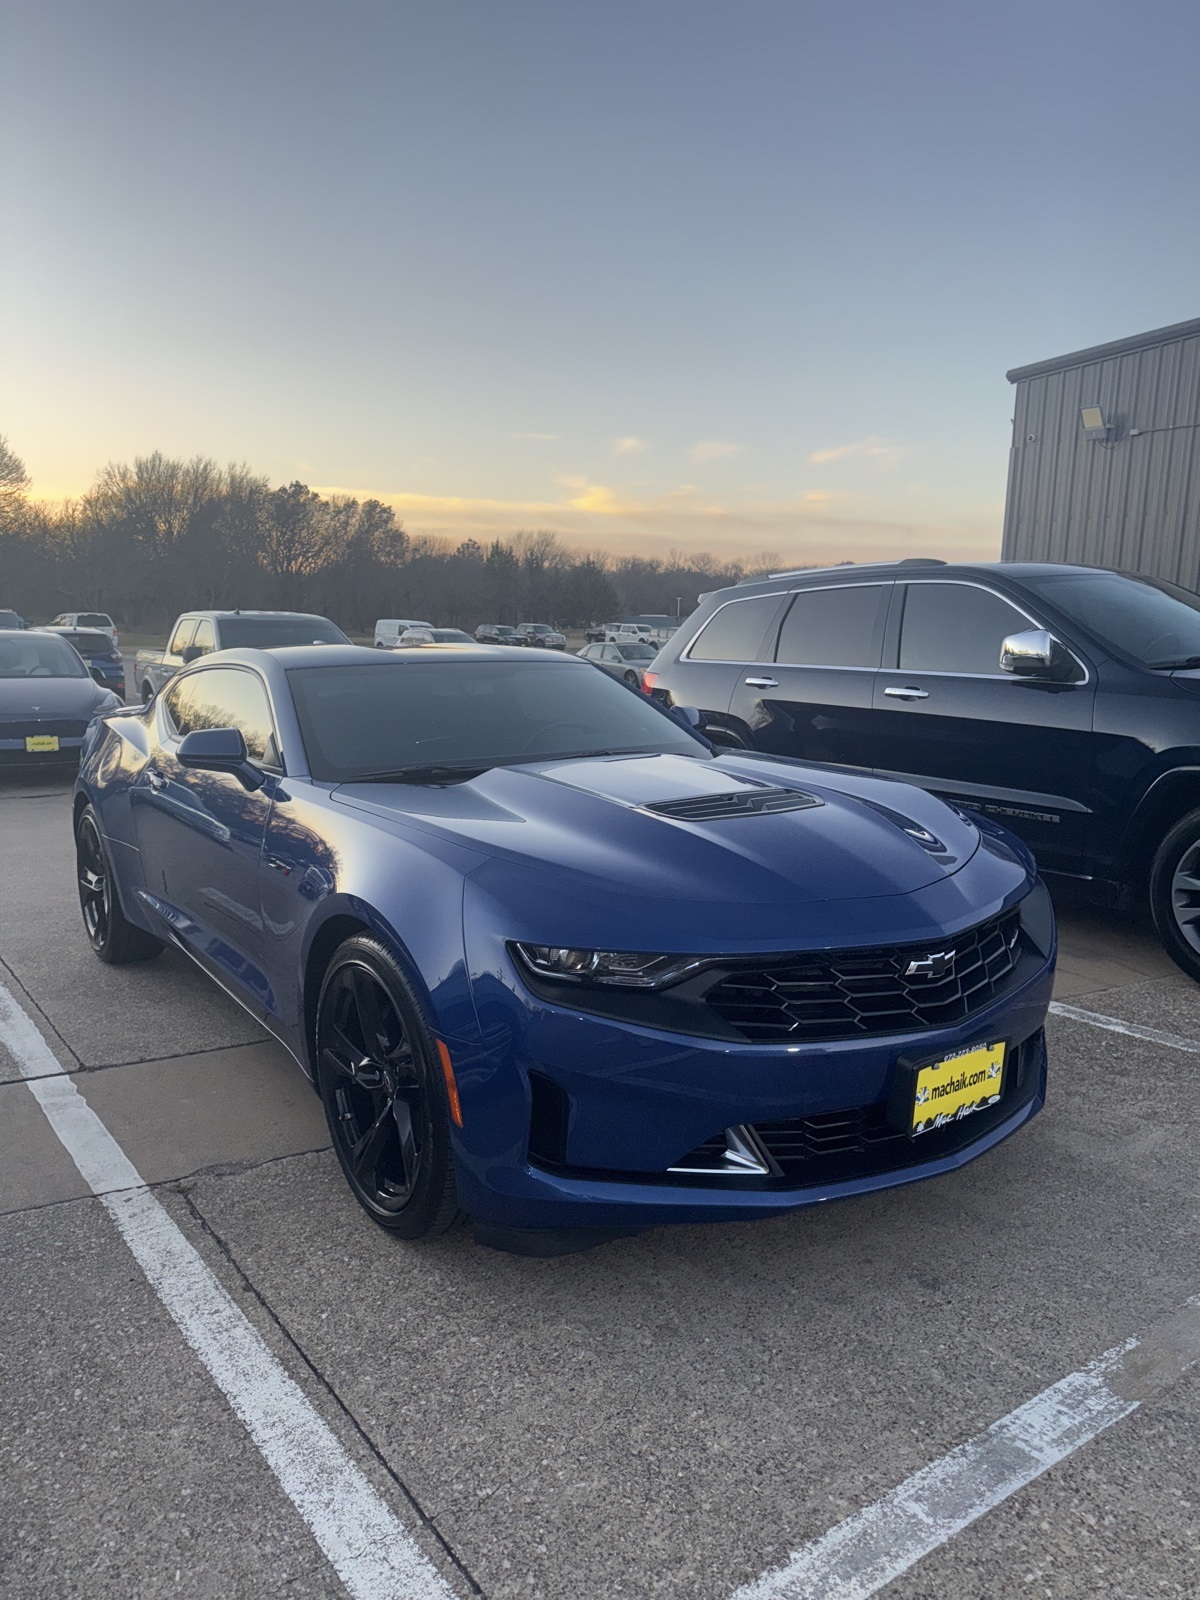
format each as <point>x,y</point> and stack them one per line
<point>670,1415</point>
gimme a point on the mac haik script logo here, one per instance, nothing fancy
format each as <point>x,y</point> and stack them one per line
<point>938,965</point>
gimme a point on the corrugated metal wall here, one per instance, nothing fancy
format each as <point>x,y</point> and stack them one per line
<point>1132,502</point>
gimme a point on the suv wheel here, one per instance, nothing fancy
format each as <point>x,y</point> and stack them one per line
<point>1175,893</point>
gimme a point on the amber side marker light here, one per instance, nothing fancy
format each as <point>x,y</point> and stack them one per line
<point>451,1086</point>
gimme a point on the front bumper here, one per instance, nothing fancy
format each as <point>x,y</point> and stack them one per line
<point>574,1120</point>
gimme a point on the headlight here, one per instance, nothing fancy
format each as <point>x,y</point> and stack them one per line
<point>625,969</point>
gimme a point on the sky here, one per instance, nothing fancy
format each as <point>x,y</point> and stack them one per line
<point>742,277</point>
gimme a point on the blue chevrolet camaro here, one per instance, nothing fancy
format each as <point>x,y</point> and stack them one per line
<point>550,959</point>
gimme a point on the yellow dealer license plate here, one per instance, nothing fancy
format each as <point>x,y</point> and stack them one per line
<point>952,1089</point>
<point>41,741</point>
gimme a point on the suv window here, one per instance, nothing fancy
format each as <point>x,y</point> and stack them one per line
<point>835,627</point>
<point>956,627</point>
<point>182,636</point>
<point>738,631</point>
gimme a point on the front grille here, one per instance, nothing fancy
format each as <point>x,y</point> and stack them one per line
<point>738,803</point>
<point>847,994</point>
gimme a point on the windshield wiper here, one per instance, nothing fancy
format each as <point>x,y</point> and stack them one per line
<point>442,773</point>
<point>1174,666</point>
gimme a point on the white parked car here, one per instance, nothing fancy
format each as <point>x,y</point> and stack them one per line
<point>389,629</point>
<point>434,636</point>
<point>89,621</point>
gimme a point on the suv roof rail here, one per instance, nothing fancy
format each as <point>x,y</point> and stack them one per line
<point>921,561</point>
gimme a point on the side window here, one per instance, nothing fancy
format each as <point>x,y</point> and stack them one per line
<point>182,636</point>
<point>836,627</point>
<point>229,697</point>
<point>205,638</point>
<point>175,701</point>
<point>611,653</point>
<point>955,627</point>
<point>588,652</point>
<point>738,631</point>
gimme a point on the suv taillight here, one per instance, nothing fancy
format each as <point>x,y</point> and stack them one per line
<point>649,679</point>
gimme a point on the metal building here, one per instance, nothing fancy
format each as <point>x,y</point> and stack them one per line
<point>1105,462</point>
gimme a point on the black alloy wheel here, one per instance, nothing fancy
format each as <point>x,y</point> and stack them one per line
<point>632,679</point>
<point>384,1095</point>
<point>1175,893</point>
<point>110,934</point>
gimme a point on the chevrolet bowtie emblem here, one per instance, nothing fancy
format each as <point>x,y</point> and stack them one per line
<point>934,966</point>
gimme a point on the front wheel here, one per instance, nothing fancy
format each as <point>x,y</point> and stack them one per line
<point>384,1094</point>
<point>1175,893</point>
<point>111,935</point>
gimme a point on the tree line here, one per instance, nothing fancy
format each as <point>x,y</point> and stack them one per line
<point>157,537</point>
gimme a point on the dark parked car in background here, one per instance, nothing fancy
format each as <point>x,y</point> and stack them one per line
<point>11,619</point>
<point>100,655</point>
<point>624,661</point>
<point>542,635</point>
<point>1064,701</point>
<point>47,699</point>
<point>497,633</point>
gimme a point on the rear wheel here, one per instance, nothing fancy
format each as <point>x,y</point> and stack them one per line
<point>383,1093</point>
<point>1175,893</point>
<point>632,679</point>
<point>110,934</point>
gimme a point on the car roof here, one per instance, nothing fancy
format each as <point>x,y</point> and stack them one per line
<point>302,616</point>
<point>361,655</point>
<point>916,567</point>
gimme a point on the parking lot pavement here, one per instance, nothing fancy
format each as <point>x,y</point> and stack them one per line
<point>671,1415</point>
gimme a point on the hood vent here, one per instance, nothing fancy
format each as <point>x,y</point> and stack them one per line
<point>738,803</point>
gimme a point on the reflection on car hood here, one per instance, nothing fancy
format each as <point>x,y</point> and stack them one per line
<point>590,819</point>
<point>55,697</point>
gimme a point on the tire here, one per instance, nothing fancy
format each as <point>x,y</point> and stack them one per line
<point>112,937</point>
<point>384,1095</point>
<point>1175,893</point>
<point>632,679</point>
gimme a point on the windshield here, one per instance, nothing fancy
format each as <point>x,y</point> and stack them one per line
<point>90,644</point>
<point>451,636</point>
<point>266,633</point>
<point>1154,622</point>
<point>636,652</point>
<point>33,655</point>
<point>357,720</point>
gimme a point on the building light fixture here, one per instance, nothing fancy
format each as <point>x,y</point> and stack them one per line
<point>1092,421</point>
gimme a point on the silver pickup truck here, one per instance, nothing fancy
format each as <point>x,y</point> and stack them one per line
<point>196,633</point>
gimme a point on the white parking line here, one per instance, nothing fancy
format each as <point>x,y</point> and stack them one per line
<point>367,1545</point>
<point>1135,1030</point>
<point>858,1557</point>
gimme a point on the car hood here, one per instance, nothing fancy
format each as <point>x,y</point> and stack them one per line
<point>651,827</point>
<point>53,697</point>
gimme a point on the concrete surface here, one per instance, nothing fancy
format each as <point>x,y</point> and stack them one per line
<point>667,1416</point>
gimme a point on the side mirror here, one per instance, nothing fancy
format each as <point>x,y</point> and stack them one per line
<point>1036,654</point>
<point>690,717</point>
<point>190,653</point>
<point>219,750</point>
<point>99,676</point>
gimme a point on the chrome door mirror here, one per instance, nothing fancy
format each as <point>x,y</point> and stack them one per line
<point>1036,654</point>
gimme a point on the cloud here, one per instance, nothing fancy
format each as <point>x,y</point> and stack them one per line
<point>824,497</point>
<point>629,446</point>
<point>879,452</point>
<point>714,449</point>
<point>588,516</point>
<point>538,438</point>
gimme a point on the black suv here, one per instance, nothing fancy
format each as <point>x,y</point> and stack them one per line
<point>1064,701</point>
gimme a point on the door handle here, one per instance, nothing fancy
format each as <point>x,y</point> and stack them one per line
<point>909,692</point>
<point>763,683</point>
<point>155,779</point>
